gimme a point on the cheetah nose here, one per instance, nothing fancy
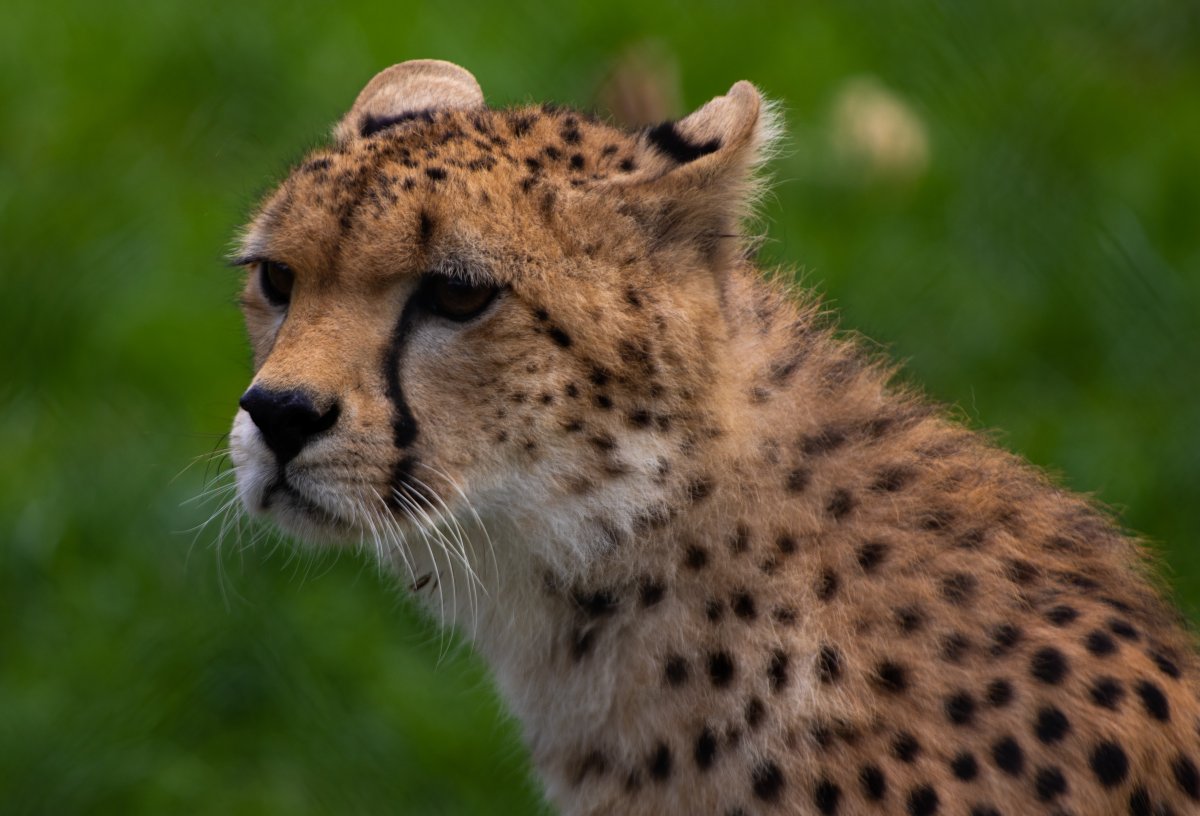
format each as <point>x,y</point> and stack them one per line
<point>288,420</point>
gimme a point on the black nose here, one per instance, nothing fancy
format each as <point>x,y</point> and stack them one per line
<point>287,419</point>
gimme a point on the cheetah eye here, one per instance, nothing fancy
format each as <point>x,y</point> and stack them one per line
<point>276,280</point>
<point>455,298</point>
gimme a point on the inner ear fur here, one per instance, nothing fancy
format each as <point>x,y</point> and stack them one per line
<point>409,90</point>
<point>697,177</point>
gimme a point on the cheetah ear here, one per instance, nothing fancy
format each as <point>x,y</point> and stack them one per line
<point>695,179</point>
<point>407,91</point>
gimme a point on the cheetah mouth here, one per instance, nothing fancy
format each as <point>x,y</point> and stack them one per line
<point>281,494</point>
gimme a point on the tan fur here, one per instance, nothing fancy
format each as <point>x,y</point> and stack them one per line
<point>716,562</point>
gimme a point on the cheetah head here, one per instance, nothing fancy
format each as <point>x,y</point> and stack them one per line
<point>459,313</point>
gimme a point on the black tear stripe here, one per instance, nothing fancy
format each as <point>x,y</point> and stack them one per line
<point>404,425</point>
<point>372,124</point>
<point>667,139</point>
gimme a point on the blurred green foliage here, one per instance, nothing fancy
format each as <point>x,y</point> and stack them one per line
<point>1041,270</point>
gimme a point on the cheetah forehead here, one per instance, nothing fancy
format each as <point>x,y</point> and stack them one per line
<point>419,141</point>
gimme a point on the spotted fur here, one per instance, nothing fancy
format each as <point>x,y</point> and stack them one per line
<point>722,565</point>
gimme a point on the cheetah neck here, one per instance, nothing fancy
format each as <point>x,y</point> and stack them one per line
<point>575,646</point>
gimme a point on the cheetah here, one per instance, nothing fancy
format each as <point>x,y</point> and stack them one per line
<point>717,560</point>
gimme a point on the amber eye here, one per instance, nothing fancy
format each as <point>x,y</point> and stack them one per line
<point>455,298</point>
<point>276,280</point>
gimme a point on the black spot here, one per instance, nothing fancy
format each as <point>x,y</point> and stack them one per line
<point>599,376</point>
<point>1062,615</point>
<point>1109,763</point>
<point>705,750</point>
<point>603,401</point>
<point>1140,804</point>
<point>821,735</point>
<point>1100,643</point>
<point>603,442</point>
<point>1051,725</point>
<point>823,442</point>
<point>1187,777</point>
<point>826,796</point>
<point>971,539</point>
<point>521,124</point>
<point>960,708</point>
<point>559,336</point>
<point>1165,664</point>
<point>786,544</point>
<point>892,479</point>
<point>676,671</point>
<point>999,693</point>
<point>755,711</point>
<point>660,763</point>
<point>964,766</point>
<point>874,784</point>
<point>1021,572</point>
<point>626,165</point>
<point>871,555</point>
<point>576,161</point>
<point>1107,692</point>
<point>667,139</point>
<point>984,810</point>
<point>593,763</point>
<point>784,614</point>
<point>891,677</point>
<point>767,781</point>
<point>1122,629</point>
<point>1004,638</point>
<point>651,592</point>
<point>1048,665</point>
<point>1008,756</point>
<point>905,747</point>
<point>696,557</point>
<point>714,610</point>
<point>315,165</point>
<point>777,672</point>
<point>840,504</point>
<point>640,418</point>
<point>797,480</point>
<point>435,173</point>
<point>935,519</point>
<point>1153,700</point>
<point>1049,783</point>
<point>923,801</point>
<point>910,619</point>
<point>699,489</point>
<point>720,669</point>
<point>743,606</point>
<point>955,646</point>
<point>597,604</point>
<point>827,585</point>
<point>829,664</point>
<point>959,587</point>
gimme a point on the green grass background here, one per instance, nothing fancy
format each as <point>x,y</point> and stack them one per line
<point>1043,274</point>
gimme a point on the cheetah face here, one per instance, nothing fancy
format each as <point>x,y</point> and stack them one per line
<point>458,312</point>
